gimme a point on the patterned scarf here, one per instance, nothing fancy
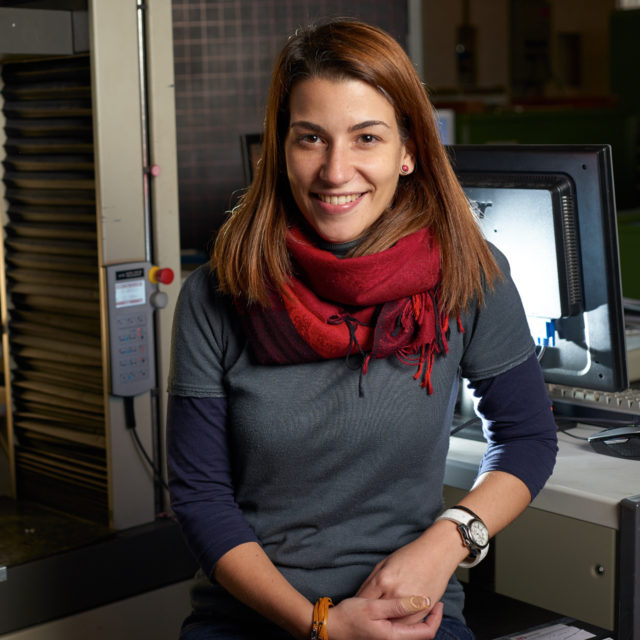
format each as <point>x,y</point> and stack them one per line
<point>367,307</point>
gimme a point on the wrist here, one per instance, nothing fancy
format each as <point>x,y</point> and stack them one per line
<point>474,534</point>
<point>444,539</point>
<point>299,621</point>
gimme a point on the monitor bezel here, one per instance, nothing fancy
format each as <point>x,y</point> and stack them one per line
<point>590,168</point>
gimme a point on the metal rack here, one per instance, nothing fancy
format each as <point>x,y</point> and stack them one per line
<point>84,112</point>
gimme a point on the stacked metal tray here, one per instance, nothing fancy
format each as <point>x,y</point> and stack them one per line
<point>53,286</point>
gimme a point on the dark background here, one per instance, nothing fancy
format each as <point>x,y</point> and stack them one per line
<point>224,53</point>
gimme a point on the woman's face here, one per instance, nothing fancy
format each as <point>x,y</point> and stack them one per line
<point>344,155</point>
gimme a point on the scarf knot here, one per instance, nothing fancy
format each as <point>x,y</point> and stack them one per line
<point>392,302</point>
<point>354,346</point>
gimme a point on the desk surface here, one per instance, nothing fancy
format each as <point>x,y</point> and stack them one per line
<point>584,485</point>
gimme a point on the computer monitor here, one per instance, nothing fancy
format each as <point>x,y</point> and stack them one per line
<point>251,147</point>
<point>551,210</point>
<point>446,123</point>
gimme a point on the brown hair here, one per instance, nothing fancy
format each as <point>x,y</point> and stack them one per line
<point>250,253</point>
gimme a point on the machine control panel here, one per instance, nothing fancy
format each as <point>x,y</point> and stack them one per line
<point>131,328</point>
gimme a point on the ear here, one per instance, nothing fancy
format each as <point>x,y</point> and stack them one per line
<point>409,157</point>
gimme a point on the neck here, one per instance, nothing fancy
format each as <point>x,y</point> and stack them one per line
<point>338,249</point>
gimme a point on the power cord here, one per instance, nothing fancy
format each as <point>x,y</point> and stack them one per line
<point>472,422</point>
<point>565,423</point>
<point>130,422</point>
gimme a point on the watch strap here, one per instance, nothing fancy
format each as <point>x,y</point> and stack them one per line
<point>462,516</point>
<point>470,561</point>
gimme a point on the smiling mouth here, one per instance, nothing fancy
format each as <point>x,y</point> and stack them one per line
<point>341,199</point>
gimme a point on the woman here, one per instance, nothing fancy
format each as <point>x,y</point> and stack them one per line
<point>316,364</point>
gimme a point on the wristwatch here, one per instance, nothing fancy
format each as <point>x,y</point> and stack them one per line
<point>475,535</point>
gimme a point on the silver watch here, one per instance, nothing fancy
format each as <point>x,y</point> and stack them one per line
<point>475,535</point>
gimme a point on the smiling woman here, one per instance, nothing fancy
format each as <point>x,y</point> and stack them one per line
<point>344,155</point>
<point>315,368</point>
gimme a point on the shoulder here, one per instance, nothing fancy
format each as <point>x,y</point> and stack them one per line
<point>200,283</point>
<point>204,337</point>
<point>200,294</point>
<point>497,335</point>
<point>501,260</point>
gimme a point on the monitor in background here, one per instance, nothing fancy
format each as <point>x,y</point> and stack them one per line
<point>446,123</point>
<point>551,210</point>
<point>251,147</point>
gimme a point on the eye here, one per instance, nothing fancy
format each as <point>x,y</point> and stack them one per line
<point>368,138</point>
<point>309,138</point>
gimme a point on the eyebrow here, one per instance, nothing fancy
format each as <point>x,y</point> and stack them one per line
<point>356,127</point>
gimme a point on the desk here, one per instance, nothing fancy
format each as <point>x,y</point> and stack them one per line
<point>576,549</point>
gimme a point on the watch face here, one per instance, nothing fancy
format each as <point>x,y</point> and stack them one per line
<point>479,533</point>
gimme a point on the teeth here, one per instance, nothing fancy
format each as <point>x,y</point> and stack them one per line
<point>338,199</point>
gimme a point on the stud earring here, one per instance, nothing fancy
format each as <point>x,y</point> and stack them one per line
<point>405,169</point>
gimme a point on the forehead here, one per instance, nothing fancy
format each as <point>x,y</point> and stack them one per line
<point>343,98</point>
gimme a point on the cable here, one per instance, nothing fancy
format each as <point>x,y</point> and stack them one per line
<point>130,421</point>
<point>571,422</point>
<point>469,423</point>
<point>156,472</point>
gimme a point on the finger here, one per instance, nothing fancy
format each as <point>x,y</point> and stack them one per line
<point>401,607</point>
<point>415,604</point>
<point>423,628</point>
<point>369,590</point>
<point>413,618</point>
<point>411,606</point>
<point>434,618</point>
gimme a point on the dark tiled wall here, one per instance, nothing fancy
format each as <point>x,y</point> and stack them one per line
<point>224,51</point>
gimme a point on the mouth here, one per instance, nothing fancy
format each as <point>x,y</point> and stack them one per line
<point>346,198</point>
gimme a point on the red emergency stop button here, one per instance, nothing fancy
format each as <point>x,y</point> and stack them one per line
<point>161,276</point>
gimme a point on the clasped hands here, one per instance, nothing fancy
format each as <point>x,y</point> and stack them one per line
<point>400,599</point>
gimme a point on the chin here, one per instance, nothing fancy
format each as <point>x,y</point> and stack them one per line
<point>339,238</point>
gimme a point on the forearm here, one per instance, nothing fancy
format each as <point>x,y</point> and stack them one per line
<point>498,498</point>
<point>426,564</point>
<point>248,574</point>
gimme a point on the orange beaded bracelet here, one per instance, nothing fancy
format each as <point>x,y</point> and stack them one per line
<point>320,617</point>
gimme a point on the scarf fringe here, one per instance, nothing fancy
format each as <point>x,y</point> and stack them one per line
<point>424,356</point>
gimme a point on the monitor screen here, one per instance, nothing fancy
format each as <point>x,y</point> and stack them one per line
<point>446,123</point>
<point>551,210</point>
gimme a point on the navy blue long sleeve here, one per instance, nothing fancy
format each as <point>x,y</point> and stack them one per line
<point>518,424</point>
<point>200,479</point>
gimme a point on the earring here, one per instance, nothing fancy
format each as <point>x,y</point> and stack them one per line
<point>405,169</point>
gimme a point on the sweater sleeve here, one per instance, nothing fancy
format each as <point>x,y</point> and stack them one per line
<point>200,481</point>
<point>518,424</point>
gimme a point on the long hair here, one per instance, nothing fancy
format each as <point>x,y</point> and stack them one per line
<point>250,254</point>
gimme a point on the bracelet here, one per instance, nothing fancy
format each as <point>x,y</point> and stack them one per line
<point>320,616</point>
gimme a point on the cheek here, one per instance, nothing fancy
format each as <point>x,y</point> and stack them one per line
<point>388,179</point>
<point>297,171</point>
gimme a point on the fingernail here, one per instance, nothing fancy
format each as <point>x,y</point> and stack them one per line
<point>413,604</point>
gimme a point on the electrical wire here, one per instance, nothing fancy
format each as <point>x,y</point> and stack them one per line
<point>571,422</point>
<point>472,422</point>
<point>130,421</point>
<point>143,451</point>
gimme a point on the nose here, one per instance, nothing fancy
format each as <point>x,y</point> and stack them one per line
<point>337,167</point>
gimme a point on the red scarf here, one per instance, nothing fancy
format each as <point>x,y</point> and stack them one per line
<point>376,306</point>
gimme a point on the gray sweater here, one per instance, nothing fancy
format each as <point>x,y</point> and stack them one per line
<point>330,481</point>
